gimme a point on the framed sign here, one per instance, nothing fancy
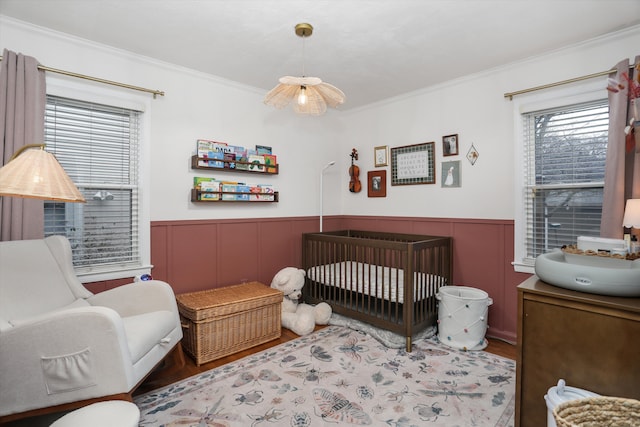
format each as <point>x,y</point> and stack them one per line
<point>380,156</point>
<point>413,164</point>
<point>377,183</point>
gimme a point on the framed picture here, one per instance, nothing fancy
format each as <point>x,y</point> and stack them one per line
<point>472,154</point>
<point>450,145</point>
<point>451,174</point>
<point>377,183</point>
<point>380,155</point>
<point>413,164</point>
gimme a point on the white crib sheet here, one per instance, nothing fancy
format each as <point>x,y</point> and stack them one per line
<point>374,280</point>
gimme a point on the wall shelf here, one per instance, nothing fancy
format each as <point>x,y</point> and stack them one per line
<point>251,166</point>
<point>196,197</point>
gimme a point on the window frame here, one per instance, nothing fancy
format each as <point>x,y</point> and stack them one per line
<point>100,94</point>
<point>581,92</point>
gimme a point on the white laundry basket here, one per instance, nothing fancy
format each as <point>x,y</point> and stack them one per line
<point>560,394</point>
<point>462,317</point>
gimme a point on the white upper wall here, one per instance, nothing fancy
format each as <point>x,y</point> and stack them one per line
<point>203,106</point>
<point>474,108</point>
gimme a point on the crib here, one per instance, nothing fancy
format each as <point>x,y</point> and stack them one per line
<point>388,280</point>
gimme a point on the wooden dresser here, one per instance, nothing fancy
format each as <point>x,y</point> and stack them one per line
<point>591,341</point>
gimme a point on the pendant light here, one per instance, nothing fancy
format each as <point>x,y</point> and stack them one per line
<point>310,95</point>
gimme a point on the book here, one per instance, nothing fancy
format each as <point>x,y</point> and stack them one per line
<point>270,162</point>
<point>210,190</point>
<point>263,149</point>
<point>198,180</point>
<point>204,146</point>
<point>228,190</point>
<point>230,160</point>
<point>242,158</point>
<point>261,192</point>
<point>256,163</point>
<point>210,153</point>
<point>210,163</point>
<point>243,192</point>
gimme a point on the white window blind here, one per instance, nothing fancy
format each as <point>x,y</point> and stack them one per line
<point>98,147</point>
<point>565,151</point>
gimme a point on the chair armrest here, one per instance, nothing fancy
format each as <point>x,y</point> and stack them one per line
<point>34,356</point>
<point>137,298</point>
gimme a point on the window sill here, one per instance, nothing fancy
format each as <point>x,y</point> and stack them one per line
<point>120,273</point>
<point>522,267</point>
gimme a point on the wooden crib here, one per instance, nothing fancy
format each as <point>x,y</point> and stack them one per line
<point>388,280</point>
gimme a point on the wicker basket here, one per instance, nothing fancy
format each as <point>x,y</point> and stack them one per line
<point>598,412</point>
<point>223,321</point>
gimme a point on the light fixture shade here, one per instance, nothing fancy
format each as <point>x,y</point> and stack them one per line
<point>632,214</point>
<point>310,94</point>
<point>319,95</point>
<point>37,174</point>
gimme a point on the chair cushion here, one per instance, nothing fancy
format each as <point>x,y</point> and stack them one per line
<point>144,331</point>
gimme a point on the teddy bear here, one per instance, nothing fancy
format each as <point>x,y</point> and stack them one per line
<point>299,317</point>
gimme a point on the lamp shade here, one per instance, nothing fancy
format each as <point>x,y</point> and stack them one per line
<point>318,95</point>
<point>308,95</point>
<point>37,174</point>
<point>632,214</point>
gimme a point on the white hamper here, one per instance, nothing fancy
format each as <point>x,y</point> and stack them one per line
<point>462,317</point>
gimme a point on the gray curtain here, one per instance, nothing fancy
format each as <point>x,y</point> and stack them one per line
<point>22,105</point>
<point>622,173</point>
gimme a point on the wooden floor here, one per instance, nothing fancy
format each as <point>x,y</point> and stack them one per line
<point>168,376</point>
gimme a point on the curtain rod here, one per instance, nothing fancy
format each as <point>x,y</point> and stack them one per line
<point>99,80</point>
<point>510,95</point>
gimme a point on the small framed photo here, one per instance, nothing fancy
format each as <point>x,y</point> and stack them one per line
<point>451,176</point>
<point>450,145</point>
<point>380,154</point>
<point>377,183</point>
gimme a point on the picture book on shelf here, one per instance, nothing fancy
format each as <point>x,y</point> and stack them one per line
<point>230,160</point>
<point>198,180</point>
<point>216,154</point>
<point>270,162</point>
<point>210,191</point>
<point>257,163</point>
<point>210,153</point>
<point>229,189</point>
<point>263,149</point>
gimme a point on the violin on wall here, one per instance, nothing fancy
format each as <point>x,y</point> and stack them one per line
<point>354,171</point>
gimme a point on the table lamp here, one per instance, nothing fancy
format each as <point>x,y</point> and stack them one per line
<point>35,173</point>
<point>632,219</point>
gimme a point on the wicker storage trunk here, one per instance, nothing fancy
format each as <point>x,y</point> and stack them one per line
<point>223,321</point>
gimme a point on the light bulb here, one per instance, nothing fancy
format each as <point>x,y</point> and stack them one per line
<point>302,96</point>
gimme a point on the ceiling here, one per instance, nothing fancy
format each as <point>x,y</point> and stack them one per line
<point>371,49</point>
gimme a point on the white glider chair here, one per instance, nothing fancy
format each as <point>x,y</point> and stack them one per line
<point>62,347</point>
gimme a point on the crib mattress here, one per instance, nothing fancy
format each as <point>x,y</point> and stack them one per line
<point>375,280</point>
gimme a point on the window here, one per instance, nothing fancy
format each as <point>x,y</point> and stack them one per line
<point>564,159</point>
<point>98,147</point>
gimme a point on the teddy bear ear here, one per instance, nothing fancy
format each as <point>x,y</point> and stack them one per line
<point>304,273</point>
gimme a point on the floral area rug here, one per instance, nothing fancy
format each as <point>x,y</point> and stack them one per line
<point>338,376</point>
